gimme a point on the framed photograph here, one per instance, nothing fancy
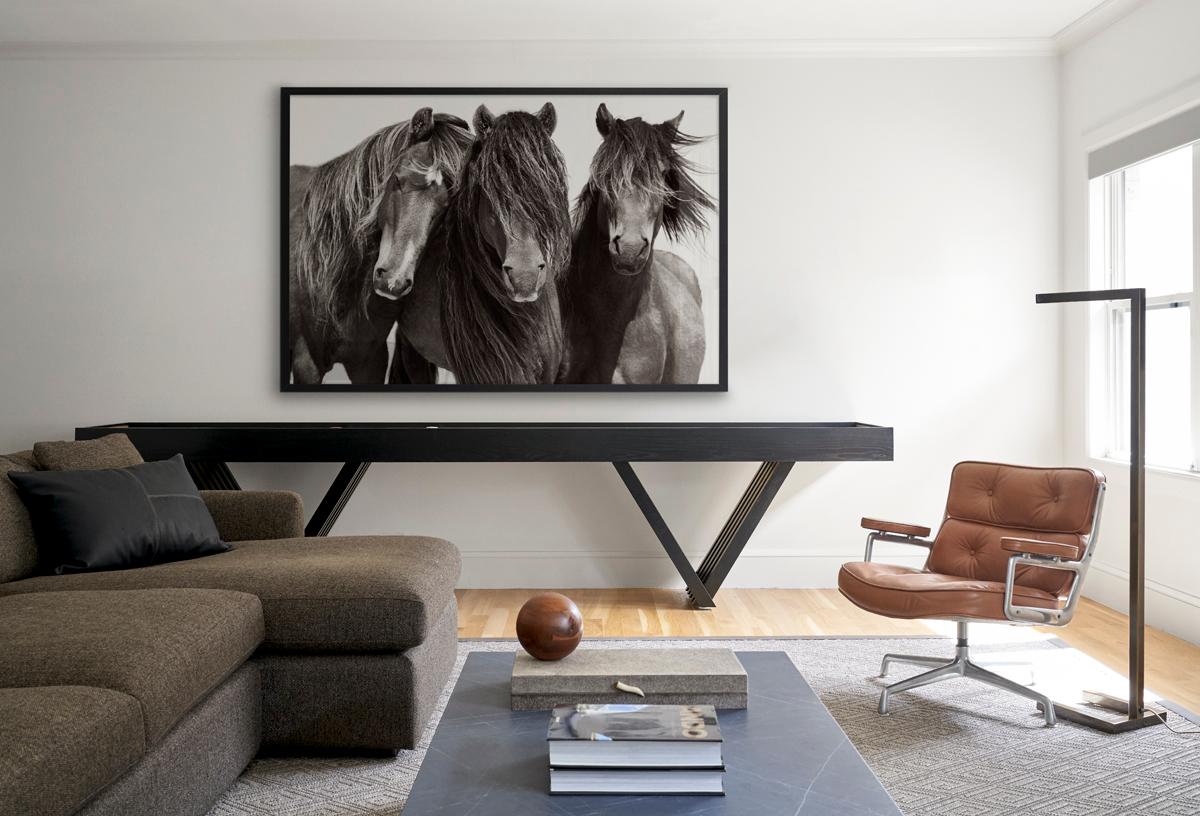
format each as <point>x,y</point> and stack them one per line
<point>497,239</point>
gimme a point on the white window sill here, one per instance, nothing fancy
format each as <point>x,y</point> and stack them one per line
<point>1164,470</point>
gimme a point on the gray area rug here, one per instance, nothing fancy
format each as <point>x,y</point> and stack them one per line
<point>952,749</point>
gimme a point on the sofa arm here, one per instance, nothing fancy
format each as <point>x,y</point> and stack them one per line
<point>1047,549</point>
<point>251,515</point>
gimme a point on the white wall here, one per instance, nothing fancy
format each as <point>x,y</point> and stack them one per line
<point>889,223</point>
<point>1140,70</point>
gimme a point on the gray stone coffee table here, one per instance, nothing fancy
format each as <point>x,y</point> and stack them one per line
<point>784,754</point>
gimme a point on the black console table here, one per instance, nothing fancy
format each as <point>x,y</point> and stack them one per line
<point>209,447</point>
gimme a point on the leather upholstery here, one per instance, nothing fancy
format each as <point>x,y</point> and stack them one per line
<point>894,527</point>
<point>1034,546</point>
<point>965,571</point>
<point>973,550</point>
<point>1060,500</point>
<point>903,592</point>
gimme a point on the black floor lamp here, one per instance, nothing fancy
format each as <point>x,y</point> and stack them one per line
<point>1135,714</point>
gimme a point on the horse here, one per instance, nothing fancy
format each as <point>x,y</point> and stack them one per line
<point>485,302</point>
<point>357,227</point>
<point>633,313</point>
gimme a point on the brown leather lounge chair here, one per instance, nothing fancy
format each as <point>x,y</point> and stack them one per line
<point>1013,547</point>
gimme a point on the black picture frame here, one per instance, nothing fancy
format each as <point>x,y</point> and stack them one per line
<point>721,95</point>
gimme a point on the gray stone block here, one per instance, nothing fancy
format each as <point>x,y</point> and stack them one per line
<point>667,676</point>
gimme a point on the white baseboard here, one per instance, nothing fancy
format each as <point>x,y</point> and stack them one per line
<point>539,569</point>
<point>1168,608</point>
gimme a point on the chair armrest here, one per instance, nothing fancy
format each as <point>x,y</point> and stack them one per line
<point>894,527</point>
<point>252,515</point>
<point>1047,549</point>
<point>1035,614</point>
<point>895,532</point>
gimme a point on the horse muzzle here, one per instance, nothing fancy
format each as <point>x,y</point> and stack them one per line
<point>392,287</point>
<point>519,288</point>
<point>629,265</point>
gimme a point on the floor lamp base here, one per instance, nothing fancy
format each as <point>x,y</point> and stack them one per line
<point>1107,714</point>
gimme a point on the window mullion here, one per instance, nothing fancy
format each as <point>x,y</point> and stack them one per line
<point>1116,344</point>
<point>1193,321</point>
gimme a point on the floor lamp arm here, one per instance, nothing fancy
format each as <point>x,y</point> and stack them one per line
<point>1138,714</point>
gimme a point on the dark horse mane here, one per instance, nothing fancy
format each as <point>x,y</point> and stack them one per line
<point>519,171</point>
<point>598,304</point>
<point>341,210</point>
<point>631,159</point>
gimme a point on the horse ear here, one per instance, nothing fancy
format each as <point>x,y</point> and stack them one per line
<point>672,125</point>
<point>421,126</point>
<point>483,121</point>
<point>604,119</point>
<point>547,117</point>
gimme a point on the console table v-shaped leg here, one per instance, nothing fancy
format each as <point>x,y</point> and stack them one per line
<point>703,583</point>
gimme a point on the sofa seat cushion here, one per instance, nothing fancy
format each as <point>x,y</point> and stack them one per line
<point>60,745</point>
<point>904,592</point>
<point>165,648</point>
<point>335,594</point>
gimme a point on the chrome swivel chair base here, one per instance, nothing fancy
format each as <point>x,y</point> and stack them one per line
<point>960,666</point>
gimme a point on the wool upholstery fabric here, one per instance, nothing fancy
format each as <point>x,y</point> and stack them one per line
<point>252,515</point>
<point>112,451</point>
<point>165,648</point>
<point>61,744</point>
<point>378,701</point>
<point>327,594</point>
<point>18,549</point>
<point>196,761</point>
<point>115,518</point>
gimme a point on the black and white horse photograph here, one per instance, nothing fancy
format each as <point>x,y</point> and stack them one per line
<point>479,239</point>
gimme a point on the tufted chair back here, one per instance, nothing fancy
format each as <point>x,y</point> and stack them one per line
<point>988,501</point>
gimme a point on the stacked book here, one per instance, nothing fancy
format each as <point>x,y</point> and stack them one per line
<point>636,749</point>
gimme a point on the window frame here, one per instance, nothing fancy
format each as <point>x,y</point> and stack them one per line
<point>1115,419</point>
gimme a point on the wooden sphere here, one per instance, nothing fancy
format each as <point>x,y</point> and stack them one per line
<point>549,626</point>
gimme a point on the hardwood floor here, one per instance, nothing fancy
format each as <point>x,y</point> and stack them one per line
<point>1172,665</point>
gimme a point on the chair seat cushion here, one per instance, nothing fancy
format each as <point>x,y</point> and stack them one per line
<point>335,594</point>
<point>166,648</point>
<point>904,592</point>
<point>60,745</point>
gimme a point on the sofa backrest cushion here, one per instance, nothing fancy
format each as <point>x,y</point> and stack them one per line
<point>112,451</point>
<point>18,551</point>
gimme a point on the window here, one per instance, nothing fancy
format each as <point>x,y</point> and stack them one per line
<point>1144,230</point>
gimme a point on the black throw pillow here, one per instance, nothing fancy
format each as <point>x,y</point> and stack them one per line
<point>117,518</point>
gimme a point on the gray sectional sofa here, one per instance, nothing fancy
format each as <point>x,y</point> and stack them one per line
<point>148,690</point>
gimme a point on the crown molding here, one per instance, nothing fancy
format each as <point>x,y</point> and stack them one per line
<point>1070,36</point>
<point>390,50</point>
<point>1089,25</point>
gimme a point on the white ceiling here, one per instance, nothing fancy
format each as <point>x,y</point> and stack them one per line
<point>223,21</point>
